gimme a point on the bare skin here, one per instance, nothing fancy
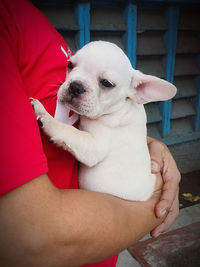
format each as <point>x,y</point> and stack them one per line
<point>162,161</point>
<point>41,225</point>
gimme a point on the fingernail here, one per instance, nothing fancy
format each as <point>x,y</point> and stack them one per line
<point>157,234</point>
<point>163,212</point>
<point>40,123</point>
<point>154,166</point>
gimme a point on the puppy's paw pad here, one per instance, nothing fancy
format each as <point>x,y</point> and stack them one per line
<point>40,123</point>
<point>51,140</point>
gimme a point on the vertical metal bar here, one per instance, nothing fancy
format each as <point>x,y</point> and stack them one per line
<point>80,19</point>
<point>197,105</point>
<point>130,37</point>
<point>170,39</point>
<point>82,12</point>
<point>87,22</point>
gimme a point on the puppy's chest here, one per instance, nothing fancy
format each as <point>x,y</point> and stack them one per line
<point>128,149</point>
<point>125,144</point>
<point>125,169</point>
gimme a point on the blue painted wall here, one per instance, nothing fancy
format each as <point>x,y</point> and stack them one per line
<point>166,126</point>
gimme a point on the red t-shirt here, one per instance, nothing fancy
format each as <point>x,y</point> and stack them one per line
<point>33,59</point>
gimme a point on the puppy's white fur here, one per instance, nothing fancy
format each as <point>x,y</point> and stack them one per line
<point>111,140</point>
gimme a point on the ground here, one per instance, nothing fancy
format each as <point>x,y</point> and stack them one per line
<point>189,189</point>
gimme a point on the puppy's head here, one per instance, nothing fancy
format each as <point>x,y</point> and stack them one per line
<point>100,79</point>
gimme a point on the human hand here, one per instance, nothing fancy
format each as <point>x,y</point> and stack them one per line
<point>162,161</point>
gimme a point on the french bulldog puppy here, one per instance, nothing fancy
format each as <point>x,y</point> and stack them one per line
<point>111,142</point>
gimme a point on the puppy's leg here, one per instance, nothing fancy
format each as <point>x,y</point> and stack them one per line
<point>81,144</point>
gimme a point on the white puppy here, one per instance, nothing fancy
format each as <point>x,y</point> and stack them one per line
<point>111,144</point>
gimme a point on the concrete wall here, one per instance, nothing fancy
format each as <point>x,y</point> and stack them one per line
<point>187,156</point>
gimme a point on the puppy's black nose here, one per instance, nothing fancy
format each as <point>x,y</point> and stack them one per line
<point>76,89</point>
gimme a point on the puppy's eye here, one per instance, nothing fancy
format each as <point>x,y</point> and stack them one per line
<point>70,66</point>
<point>106,83</point>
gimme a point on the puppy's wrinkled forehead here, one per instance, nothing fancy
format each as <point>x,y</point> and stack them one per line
<point>103,55</point>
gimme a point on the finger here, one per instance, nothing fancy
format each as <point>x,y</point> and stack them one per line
<point>156,153</point>
<point>170,190</point>
<point>166,167</point>
<point>170,169</point>
<point>168,196</point>
<point>172,215</point>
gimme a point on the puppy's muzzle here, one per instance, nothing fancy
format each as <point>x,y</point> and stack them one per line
<point>76,89</point>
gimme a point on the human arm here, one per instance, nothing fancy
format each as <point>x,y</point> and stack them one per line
<point>41,225</point>
<point>162,161</point>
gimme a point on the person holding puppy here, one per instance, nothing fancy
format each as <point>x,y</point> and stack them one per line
<point>44,219</point>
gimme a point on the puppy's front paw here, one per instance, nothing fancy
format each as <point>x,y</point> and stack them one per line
<point>40,111</point>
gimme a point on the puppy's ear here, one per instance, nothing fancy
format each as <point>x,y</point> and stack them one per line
<point>147,88</point>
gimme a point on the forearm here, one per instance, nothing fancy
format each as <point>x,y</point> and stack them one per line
<point>107,225</point>
<point>57,225</point>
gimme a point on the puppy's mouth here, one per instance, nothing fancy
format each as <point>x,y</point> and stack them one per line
<point>81,105</point>
<point>77,98</point>
<point>74,100</point>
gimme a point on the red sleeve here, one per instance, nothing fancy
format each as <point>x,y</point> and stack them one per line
<point>22,157</point>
